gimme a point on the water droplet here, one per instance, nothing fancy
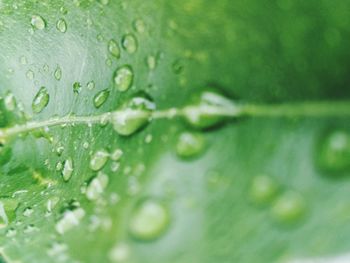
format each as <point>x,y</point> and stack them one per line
<point>40,100</point>
<point>76,87</point>
<point>11,232</point>
<point>133,116</point>
<point>129,43</point>
<point>38,22</point>
<point>10,102</point>
<point>120,253</point>
<point>139,26</point>
<point>58,73</point>
<point>116,155</point>
<point>101,97</point>
<point>113,48</point>
<point>96,186</point>
<point>23,60</point>
<point>30,75</point>
<point>90,85</point>
<point>67,169</point>
<point>190,144</point>
<point>123,78</point>
<point>289,207</point>
<point>207,111</point>
<point>104,2</point>
<point>149,220</point>
<point>115,166</point>
<point>61,25</point>
<point>263,189</point>
<point>28,211</point>
<point>151,62</point>
<point>98,160</point>
<point>70,219</point>
<point>333,152</point>
<point>7,211</point>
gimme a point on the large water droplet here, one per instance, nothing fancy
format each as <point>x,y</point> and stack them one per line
<point>61,25</point>
<point>149,220</point>
<point>208,110</point>
<point>129,43</point>
<point>263,189</point>
<point>333,152</point>
<point>67,169</point>
<point>70,219</point>
<point>38,22</point>
<point>132,116</point>
<point>289,207</point>
<point>40,100</point>
<point>101,97</point>
<point>113,48</point>
<point>98,160</point>
<point>96,186</point>
<point>123,78</point>
<point>190,144</point>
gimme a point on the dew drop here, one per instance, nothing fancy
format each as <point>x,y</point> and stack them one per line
<point>38,22</point>
<point>98,160</point>
<point>139,26</point>
<point>151,62</point>
<point>40,100</point>
<point>101,97</point>
<point>70,219</point>
<point>30,75</point>
<point>333,152</point>
<point>113,48</point>
<point>90,85</point>
<point>67,169</point>
<point>133,115</point>
<point>263,189</point>
<point>120,253</point>
<point>149,220</point>
<point>76,87</point>
<point>207,111</point>
<point>190,144</point>
<point>116,155</point>
<point>129,43</point>
<point>28,211</point>
<point>61,25</point>
<point>23,60</point>
<point>289,207</point>
<point>123,78</point>
<point>96,186</point>
<point>10,102</point>
<point>58,73</point>
<point>7,211</point>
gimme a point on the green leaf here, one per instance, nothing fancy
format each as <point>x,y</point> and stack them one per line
<point>174,131</point>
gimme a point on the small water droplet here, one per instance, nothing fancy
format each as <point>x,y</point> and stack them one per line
<point>104,2</point>
<point>129,43</point>
<point>98,160</point>
<point>38,22</point>
<point>113,48</point>
<point>139,26</point>
<point>76,87</point>
<point>333,152</point>
<point>67,169</point>
<point>61,25</point>
<point>133,115</point>
<point>151,62</point>
<point>123,78</point>
<point>263,189</point>
<point>149,220</point>
<point>7,211</point>
<point>58,73</point>
<point>70,219</point>
<point>190,144</point>
<point>11,232</point>
<point>207,111</point>
<point>23,60</point>
<point>96,186</point>
<point>115,166</point>
<point>40,100</point>
<point>90,85</point>
<point>10,102</point>
<point>120,253</point>
<point>289,207</point>
<point>30,75</point>
<point>101,97</point>
<point>116,155</point>
<point>28,211</point>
